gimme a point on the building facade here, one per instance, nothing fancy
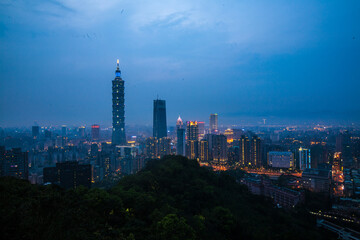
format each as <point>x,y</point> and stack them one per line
<point>213,121</point>
<point>281,159</point>
<point>180,137</point>
<point>192,140</point>
<point>118,108</point>
<point>159,119</point>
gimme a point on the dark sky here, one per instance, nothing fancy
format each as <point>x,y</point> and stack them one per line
<point>245,60</point>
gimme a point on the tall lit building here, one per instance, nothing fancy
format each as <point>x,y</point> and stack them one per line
<point>244,150</point>
<point>82,131</point>
<point>192,137</point>
<point>151,147</point>
<point>214,123</point>
<point>304,158</point>
<point>159,120</point>
<point>337,163</point>
<point>219,149</point>
<point>255,152</point>
<point>180,137</point>
<point>204,150</point>
<point>118,106</point>
<point>95,132</point>
<point>164,146</point>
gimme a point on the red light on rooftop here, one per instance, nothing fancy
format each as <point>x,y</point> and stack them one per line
<point>95,126</point>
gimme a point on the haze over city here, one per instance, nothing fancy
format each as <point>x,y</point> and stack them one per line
<point>286,61</point>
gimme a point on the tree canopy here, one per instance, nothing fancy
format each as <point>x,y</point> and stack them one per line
<point>171,198</point>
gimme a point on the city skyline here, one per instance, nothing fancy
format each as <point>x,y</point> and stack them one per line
<point>178,119</point>
<point>294,64</point>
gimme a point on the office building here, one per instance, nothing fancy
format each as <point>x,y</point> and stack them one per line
<point>213,123</point>
<point>95,132</point>
<point>159,119</point>
<point>281,159</point>
<point>192,137</point>
<point>118,108</point>
<point>203,150</point>
<point>255,152</point>
<point>304,158</point>
<point>164,147</point>
<point>192,131</point>
<point>82,132</point>
<point>68,175</point>
<point>244,151</point>
<point>180,137</point>
<point>219,149</point>
<point>151,147</point>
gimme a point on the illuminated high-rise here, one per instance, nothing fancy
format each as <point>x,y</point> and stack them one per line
<point>118,106</point>
<point>255,152</point>
<point>219,149</point>
<point>213,123</point>
<point>304,158</point>
<point>159,120</point>
<point>244,151</point>
<point>192,137</point>
<point>180,137</point>
<point>204,150</point>
<point>95,132</point>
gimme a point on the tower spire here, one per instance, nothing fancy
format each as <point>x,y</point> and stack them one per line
<point>117,71</point>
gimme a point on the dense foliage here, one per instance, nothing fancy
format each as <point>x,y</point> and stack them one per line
<point>172,198</point>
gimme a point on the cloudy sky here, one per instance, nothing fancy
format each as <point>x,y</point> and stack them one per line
<point>245,60</point>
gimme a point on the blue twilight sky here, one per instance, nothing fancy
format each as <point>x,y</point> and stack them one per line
<point>245,60</point>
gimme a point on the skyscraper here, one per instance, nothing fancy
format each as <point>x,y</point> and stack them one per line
<point>95,132</point>
<point>180,137</point>
<point>304,158</point>
<point>219,149</point>
<point>192,144</point>
<point>118,105</point>
<point>82,131</point>
<point>213,123</point>
<point>255,151</point>
<point>159,123</point>
<point>244,150</point>
<point>204,150</point>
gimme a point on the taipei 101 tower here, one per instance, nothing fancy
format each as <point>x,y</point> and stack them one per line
<point>118,108</point>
